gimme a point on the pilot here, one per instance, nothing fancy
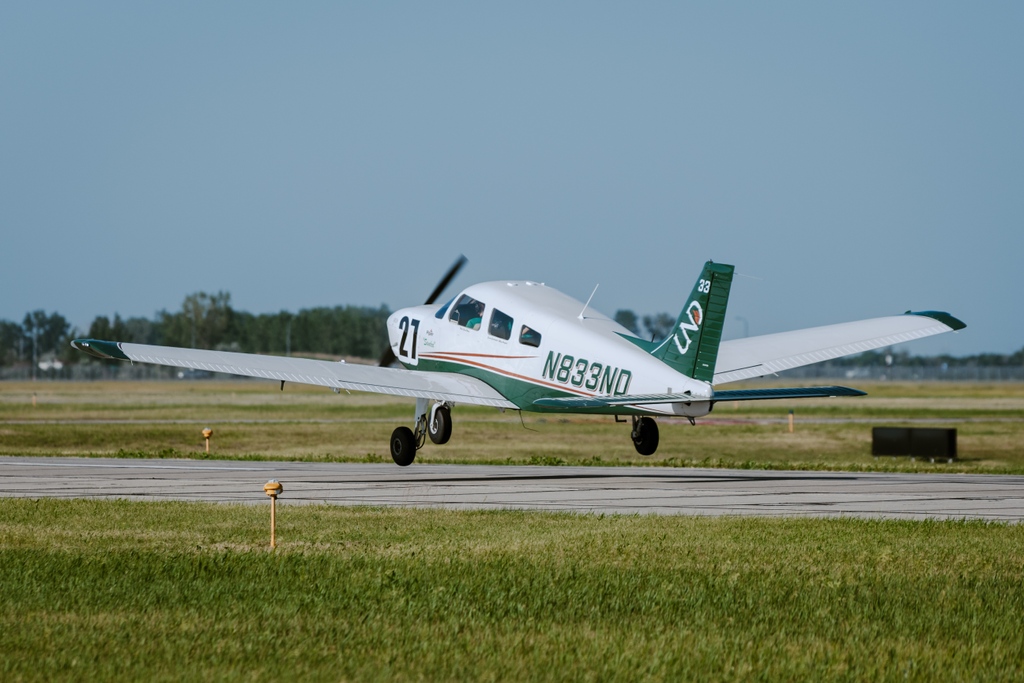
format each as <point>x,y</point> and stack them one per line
<point>476,316</point>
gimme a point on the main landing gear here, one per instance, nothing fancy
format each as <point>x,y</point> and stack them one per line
<point>437,424</point>
<point>403,446</point>
<point>645,435</point>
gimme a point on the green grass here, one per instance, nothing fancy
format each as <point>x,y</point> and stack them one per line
<point>254,420</point>
<point>119,590</point>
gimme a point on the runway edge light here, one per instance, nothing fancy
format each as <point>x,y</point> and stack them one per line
<point>273,489</point>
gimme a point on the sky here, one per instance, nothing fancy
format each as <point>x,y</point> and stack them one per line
<point>852,160</point>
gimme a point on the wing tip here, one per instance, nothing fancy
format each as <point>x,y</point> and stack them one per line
<point>946,319</point>
<point>98,348</point>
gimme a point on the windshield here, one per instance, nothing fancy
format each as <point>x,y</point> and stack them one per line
<point>444,309</point>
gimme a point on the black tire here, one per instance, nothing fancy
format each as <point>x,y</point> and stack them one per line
<point>403,446</point>
<point>440,427</point>
<point>646,436</point>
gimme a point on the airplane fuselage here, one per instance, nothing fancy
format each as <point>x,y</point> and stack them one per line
<point>529,341</point>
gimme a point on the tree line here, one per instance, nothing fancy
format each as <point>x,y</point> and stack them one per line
<point>208,321</point>
<point>205,321</point>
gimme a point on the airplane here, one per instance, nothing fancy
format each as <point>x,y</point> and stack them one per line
<point>521,345</point>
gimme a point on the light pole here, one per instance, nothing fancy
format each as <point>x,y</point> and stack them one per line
<point>746,327</point>
<point>35,356</point>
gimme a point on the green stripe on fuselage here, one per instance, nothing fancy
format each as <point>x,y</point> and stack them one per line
<point>521,392</point>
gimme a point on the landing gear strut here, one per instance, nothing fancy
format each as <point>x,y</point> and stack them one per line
<point>645,435</point>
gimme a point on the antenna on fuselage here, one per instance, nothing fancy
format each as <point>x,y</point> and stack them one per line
<point>580,316</point>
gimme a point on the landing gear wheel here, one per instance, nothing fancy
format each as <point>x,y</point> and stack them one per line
<point>645,435</point>
<point>403,446</point>
<point>439,427</point>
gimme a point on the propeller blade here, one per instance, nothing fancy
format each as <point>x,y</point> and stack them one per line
<point>387,358</point>
<point>452,272</point>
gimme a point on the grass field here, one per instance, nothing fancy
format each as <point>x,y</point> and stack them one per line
<point>253,420</point>
<point>104,590</point>
<point>117,590</point>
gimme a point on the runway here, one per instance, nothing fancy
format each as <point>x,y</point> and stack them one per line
<point>608,490</point>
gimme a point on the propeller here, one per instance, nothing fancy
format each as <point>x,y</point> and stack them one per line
<point>388,357</point>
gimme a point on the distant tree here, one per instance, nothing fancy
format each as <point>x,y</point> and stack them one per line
<point>102,328</point>
<point>659,326</point>
<point>628,319</point>
<point>341,331</point>
<point>202,323</point>
<point>49,332</point>
<point>11,341</point>
<point>142,331</point>
<point>263,333</point>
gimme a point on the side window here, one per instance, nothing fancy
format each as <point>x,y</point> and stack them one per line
<point>500,326</point>
<point>529,336</point>
<point>467,312</point>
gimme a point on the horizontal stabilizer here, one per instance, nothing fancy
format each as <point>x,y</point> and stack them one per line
<point>771,353</point>
<point>796,392</point>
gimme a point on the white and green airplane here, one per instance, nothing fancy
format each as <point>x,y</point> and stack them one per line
<point>522,345</point>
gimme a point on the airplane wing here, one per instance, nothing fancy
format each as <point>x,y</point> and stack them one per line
<point>756,356</point>
<point>433,385</point>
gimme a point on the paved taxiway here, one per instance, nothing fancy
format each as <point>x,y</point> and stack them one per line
<point>624,490</point>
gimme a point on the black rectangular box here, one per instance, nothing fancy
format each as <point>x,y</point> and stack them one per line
<point>923,442</point>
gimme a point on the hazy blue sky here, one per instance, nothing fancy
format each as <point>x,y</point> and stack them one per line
<point>851,159</point>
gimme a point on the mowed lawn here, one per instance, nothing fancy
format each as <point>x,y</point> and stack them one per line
<point>255,420</point>
<point>115,590</point>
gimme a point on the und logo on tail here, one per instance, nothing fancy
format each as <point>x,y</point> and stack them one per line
<point>695,313</point>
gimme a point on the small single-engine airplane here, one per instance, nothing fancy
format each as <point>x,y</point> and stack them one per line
<point>524,346</point>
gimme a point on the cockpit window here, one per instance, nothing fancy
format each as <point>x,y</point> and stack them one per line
<point>468,312</point>
<point>444,309</point>
<point>529,336</point>
<point>500,325</point>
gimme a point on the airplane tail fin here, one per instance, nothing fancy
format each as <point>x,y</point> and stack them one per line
<point>692,348</point>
